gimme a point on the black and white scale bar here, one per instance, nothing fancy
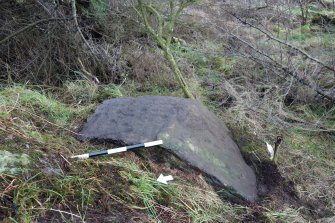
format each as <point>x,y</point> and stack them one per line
<point>117,150</point>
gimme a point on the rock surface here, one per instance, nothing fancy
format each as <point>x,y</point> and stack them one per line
<point>13,163</point>
<point>187,129</point>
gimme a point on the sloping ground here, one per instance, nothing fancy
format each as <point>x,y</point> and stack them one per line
<point>306,158</point>
<point>257,103</point>
<point>123,188</point>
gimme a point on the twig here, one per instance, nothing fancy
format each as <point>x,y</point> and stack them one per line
<point>74,14</point>
<point>284,68</point>
<point>95,79</point>
<point>44,7</point>
<point>14,106</point>
<point>253,152</point>
<point>60,211</point>
<point>31,25</point>
<point>282,42</point>
<point>65,159</point>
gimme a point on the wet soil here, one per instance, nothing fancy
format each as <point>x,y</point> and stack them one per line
<point>273,188</point>
<point>280,192</point>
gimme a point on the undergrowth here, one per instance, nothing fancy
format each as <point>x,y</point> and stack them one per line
<point>51,186</point>
<point>38,123</point>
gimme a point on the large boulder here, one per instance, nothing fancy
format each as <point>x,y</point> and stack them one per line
<point>187,129</point>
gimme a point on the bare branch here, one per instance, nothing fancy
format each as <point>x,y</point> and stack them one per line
<point>30,26</point>
<point>287,70</point>
<point>74,14</point>
<point>283,42</point>
<point>159,19</point>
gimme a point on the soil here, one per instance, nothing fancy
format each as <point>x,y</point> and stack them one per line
<point>271,185</point>
<point>281,192</point>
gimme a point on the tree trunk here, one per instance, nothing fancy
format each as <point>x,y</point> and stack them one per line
<point>168,55</point>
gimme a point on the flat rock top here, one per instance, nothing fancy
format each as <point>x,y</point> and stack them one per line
<point>187,129</point>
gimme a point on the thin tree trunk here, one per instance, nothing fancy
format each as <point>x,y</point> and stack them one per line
<point>168,55</point>
<point>164,41</point>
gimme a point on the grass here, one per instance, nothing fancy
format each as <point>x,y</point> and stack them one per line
<point>36,103</point>
<point>207,58</point>
<point>288,215</point>
<point>36,195</point>
<point>308,159</point>
<point>87,92</point>
<point>40,124</point>
<point>58,188</point>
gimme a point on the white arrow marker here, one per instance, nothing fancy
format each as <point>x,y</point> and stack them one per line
<point>164,179</point>
<point>270,150</point>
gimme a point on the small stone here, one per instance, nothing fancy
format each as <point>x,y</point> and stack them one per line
<point>13,163</point>
<point>48,171</point>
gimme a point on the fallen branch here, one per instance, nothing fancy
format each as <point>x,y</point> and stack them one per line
<point>283,42</point>
<point>287,70</point>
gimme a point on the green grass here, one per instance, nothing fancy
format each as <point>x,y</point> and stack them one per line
<point>36,195</point>
<point>209,58</point>
<point>149,191</point>
<point>55,187</point>
<point>311,144</point>
<point>286,216</point>
<point>306,37</point>
<point>86,92</point>
<point>23,99</point>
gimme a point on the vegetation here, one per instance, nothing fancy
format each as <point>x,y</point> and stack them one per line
<point>266,69</point>
<point>164,37</point>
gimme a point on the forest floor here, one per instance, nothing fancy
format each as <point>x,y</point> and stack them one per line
<point>50,187</point>
<point>39,125</point>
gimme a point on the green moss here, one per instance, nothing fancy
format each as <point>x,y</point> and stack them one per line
<point>4,115</point>
<point>97,9</point>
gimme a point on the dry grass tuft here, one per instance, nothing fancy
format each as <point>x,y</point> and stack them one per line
<point>150,70</point>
